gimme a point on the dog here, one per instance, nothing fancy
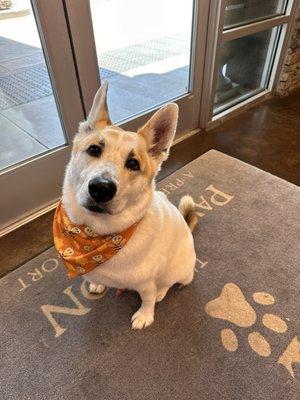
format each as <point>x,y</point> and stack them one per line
<point>109,186</point>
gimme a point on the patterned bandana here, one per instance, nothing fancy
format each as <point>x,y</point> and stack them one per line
<point>81,249</point>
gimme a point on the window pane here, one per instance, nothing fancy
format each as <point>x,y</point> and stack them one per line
<point>143,50</point>
<point>244,68</point>
<point>241,12</point>
<point>29,120</point>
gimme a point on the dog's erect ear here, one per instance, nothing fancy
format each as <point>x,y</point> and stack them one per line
<point>99,116</point>
<point>159,131</point>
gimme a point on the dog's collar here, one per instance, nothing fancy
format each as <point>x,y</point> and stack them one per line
<point>81,249</point>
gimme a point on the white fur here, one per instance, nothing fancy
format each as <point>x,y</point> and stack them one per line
<point>161,251</point>
<point>159,254</point>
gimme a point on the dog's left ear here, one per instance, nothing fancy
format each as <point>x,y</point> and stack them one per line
<point>98,116</point>
<point>160,130</point>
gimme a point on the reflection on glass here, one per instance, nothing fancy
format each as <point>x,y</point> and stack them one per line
<point>244,68</point>
<point>143,49</point>
<point>241,12</point>
<point>29,121</point>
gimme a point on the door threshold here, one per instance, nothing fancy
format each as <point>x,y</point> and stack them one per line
<point>29,218</point>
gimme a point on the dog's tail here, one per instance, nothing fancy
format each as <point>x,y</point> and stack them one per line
<point>187,208</point>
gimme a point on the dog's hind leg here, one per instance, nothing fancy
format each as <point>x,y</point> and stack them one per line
<point>187,273</point>
<point>187,279</point>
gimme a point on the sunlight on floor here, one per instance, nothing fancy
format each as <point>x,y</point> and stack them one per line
<point>143,52</point>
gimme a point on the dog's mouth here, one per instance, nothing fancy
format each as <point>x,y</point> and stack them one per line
<point>98,209</point>
<point>95,209</point>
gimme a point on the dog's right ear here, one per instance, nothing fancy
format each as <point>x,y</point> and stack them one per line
<point>98,116</point>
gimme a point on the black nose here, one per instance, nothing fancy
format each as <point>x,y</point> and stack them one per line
<point>102,189</point>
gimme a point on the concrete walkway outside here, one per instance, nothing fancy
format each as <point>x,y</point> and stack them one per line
<point>145,67</point>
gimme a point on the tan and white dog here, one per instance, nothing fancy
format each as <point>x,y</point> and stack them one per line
<point>110,185</point>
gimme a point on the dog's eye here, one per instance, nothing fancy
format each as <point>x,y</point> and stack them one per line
<point>133,164</point>
<point>94,150</point>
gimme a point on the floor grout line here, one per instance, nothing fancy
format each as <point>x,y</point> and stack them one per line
<point>23,130</point>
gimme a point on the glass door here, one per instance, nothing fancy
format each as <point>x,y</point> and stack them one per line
<point>151,52</point>
<point>30,122</point>
<point>243,54</point>
<point>211,57</point>
<point>39,107</point>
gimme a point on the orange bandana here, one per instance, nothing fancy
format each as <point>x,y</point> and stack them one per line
<point>81,249</point>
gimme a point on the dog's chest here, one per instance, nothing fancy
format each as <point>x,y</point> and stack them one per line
<point>126,270</point>
<point>147,253</point>
<point>137,262</point>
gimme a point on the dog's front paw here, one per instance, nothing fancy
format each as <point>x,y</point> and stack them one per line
<point>96,289</point>
<point>141,320</point>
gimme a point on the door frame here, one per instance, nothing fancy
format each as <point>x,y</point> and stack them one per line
<point>33,186</point>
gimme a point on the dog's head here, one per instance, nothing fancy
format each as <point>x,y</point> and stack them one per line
<point>111,169</point>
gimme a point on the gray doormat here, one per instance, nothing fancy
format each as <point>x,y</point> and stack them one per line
<point>231,334</point>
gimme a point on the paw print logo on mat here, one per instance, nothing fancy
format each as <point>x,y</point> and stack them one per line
<point>232,306</point>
